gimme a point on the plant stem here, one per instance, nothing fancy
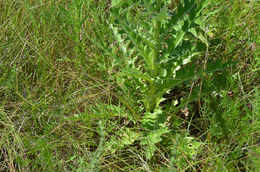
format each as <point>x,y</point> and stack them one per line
<point>157,40</point>
<point>154,67</point>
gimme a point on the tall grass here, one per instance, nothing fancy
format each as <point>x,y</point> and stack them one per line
<point>48,75</point>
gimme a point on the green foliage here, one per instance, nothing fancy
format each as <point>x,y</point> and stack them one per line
<point>159,43</point>
<point>164,94</point>
<point>155,50</point>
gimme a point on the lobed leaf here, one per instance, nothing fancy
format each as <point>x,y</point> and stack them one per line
<point>131,72</point>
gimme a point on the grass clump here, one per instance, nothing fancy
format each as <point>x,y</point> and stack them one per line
<point>129,86</point>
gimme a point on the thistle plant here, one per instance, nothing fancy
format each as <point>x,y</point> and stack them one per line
<point>154,43</point>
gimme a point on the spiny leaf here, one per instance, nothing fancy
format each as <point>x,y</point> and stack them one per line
<point>132,35</point>
<point>151,139</point>
<point>162,15</point>
<point>182,10</point>
<point>115,3</point>
<point>217,65</point>
<point>135,73</point>
<point>128,136</point>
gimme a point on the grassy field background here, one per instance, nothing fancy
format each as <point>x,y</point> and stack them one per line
<point>61,108</point>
